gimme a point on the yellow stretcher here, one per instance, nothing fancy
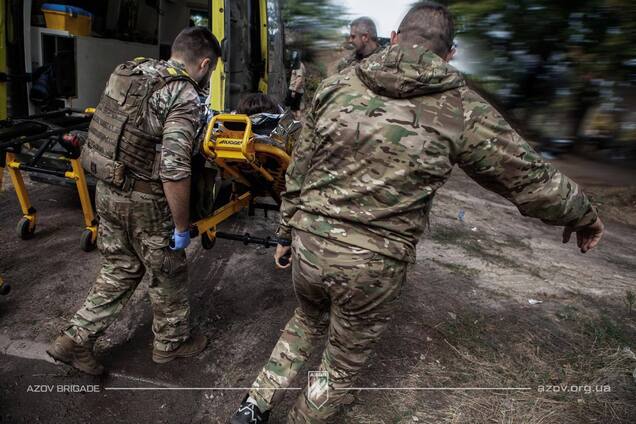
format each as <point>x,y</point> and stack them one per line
<point>254,164</point>
<point>256,168</point>
<point>11,157</point>
<point>26,224</point>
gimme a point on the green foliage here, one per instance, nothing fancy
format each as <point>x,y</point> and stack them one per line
<point>597,36</point>
<point>552,53</point>
<point>313,21</point>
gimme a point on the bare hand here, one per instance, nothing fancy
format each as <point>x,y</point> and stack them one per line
<point>280,252</point>
<point>586,237</point>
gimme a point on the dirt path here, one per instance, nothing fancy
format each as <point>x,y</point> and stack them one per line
<point>465,321</point>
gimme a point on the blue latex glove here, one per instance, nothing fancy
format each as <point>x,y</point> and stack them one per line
<point>180,240</point>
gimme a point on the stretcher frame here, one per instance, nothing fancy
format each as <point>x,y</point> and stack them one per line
<point>229,150</point>
<point>27,224</point>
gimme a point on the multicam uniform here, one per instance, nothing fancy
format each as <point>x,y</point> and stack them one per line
<point>379,140</point>
<point>353,59</point>
<point>155,138</point>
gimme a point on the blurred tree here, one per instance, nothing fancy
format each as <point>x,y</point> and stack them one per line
<point>553,50</point>
<point>310,23</point>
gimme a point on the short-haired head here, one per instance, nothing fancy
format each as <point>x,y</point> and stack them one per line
<point>363,35</point>
<point>429,24</point>
<point>365,25</point>
<point>196,43</point>
<point>198,49</point>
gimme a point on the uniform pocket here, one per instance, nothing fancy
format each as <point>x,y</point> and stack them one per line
<point>110,171</point>
<point>159,258</point>
<point>173,261</point>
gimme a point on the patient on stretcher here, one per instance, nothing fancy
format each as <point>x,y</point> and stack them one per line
<point>271,125</point>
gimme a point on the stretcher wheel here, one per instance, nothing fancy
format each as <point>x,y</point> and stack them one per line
<point>87,243</point>
<point>5,289</point>
<point>24,229</point>
<point>206,242</point>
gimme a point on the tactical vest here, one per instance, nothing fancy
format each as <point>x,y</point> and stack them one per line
<point>117,140</point>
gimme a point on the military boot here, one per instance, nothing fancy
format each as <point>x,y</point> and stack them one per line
<point>64,349</point>
<point>249,413</point>
<point>191,347</point>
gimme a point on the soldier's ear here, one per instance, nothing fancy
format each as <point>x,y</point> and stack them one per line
<point>394,38</point>
<point>205,62</point>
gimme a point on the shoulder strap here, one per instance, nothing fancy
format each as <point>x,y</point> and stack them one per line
<point>171,73</point>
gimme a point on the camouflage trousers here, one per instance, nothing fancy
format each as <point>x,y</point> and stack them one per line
<point>134,233</point>
<point>343,291</point>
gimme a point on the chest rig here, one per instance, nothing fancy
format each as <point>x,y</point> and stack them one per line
<point>120,143</point>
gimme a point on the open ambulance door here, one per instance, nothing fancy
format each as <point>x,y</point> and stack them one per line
<point>252,39</point>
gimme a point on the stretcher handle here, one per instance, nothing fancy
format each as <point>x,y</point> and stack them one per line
<point>245,238</point>
<point>284,260</point>
<point>227,117</point>
<point>248,239</point>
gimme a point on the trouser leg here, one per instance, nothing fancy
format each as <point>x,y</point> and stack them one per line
<point>168,293</point>
<point>364,289</point>
<point>118,278</point>
<point>168,289</point>
<point>300,336</point>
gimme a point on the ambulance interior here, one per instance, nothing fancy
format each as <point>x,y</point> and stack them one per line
<point>60,55</point>
<point>78,64</point>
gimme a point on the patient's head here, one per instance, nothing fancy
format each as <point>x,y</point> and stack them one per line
<point>253,103</point>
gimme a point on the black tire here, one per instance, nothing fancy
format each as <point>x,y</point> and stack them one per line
<point>24,229</point>
<point>206,242</point>
<point>5,289</point>
<point>86,241</point>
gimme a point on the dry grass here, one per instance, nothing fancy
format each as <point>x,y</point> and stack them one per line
<point>599,368</point>
<point>469,354</point>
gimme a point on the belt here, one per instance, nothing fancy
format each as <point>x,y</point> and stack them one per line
<point>142,187</point>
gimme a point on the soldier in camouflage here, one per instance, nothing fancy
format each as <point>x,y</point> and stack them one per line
<point>380,139</point>
<point>140,145</point>
<point>363,36</point>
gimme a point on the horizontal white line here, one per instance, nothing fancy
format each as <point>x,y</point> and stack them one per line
<point>434,388</point>
<point>343,389</point>
<point>197,388</point>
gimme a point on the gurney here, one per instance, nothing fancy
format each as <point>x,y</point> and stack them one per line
<point>254,162</point>
<point>46,145</point>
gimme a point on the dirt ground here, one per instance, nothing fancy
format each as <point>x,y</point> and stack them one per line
<point>494,301</point>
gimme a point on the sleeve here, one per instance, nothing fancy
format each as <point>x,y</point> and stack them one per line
<point>302,154</point>
<point>495,156</point>
<point>180,129</point>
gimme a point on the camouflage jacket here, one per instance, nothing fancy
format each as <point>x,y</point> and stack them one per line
<point>382,137</point>
<point>353,59</point>
<point>173,114</point>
